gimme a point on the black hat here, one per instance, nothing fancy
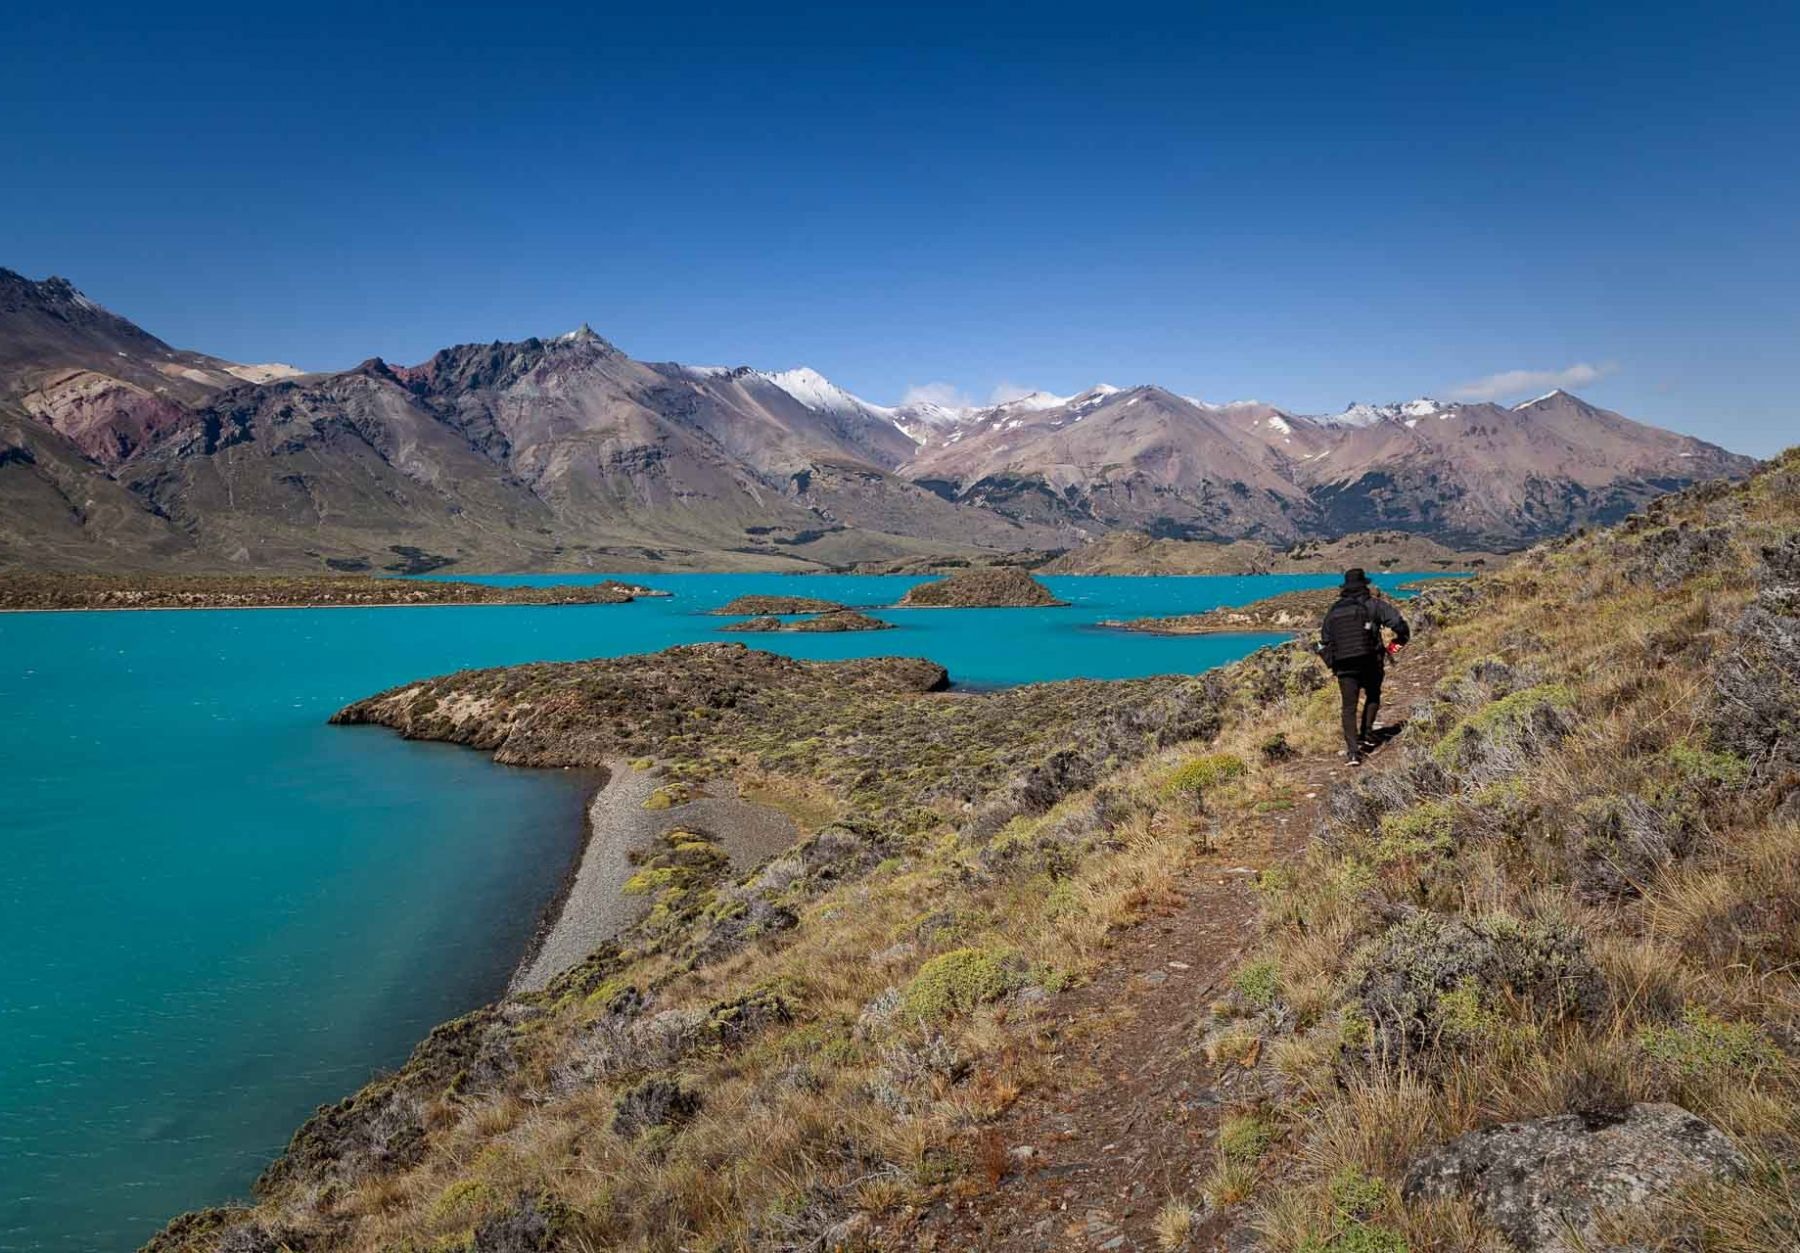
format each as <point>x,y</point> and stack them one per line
<point>1354,577</point>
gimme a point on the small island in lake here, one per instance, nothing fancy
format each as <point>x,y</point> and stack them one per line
<point>992,587</point>
<point>21,589</point>
<point>836,620</point>
<point>761,605</point>
<point>1296,612</point>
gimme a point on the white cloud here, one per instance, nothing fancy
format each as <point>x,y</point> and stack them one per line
<point>1510,383</point>
<point>946,394</point>
<point>1004,392</point>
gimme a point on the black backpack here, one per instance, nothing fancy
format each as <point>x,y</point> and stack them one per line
<point>1350,631</point>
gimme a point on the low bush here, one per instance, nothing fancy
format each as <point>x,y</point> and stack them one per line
<point>959,982</point>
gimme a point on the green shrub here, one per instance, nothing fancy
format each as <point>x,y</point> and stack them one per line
<point>1702,1044</point>
<point>1525,719</point>
<point>1358,1237</point>
<point>1245,1137</point>
<point>462,1202</point>
<point>1356,1195</point>
<point>1193,779</point>
<point>668,796</point>
<point>959,981</point>
<point>1703,766</point>
<point>1258,983</point>
<point>1426,830</point>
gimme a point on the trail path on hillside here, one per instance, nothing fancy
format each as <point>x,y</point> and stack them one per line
<point>1130,1117</point>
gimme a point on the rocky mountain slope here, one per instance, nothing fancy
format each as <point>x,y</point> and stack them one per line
<point>1528,982</point>
<point>1136,552</point>
<point>1478,476</point>
<point>118,451</point>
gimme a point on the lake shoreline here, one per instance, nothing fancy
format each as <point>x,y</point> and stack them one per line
<point>552,912</point>
<point>385,604</point>
<point>591,907</point>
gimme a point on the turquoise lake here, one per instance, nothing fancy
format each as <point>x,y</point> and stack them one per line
<point>218,912</point>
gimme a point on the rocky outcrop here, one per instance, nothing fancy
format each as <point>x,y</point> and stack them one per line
<point>746,606</point>
<point>1545,1183</point>
<point>840,620</point>
<point>992,588</point>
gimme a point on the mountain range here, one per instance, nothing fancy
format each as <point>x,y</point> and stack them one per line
<point>119,451</point>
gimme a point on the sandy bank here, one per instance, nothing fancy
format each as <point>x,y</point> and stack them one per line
<point>593,909</point>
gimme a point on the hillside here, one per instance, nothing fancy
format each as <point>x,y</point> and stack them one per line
<point>120,452</point>
<point>1136,552</point>
<point>1014,988</point>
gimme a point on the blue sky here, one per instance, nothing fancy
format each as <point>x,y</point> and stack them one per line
<point>1305,204</point>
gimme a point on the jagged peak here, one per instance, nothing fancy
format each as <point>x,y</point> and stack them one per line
<point>55,293</point>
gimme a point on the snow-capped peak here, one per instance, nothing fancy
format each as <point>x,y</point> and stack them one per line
<point>931,413</point>
<point>1552,394</point>
<point>815,391</point>
<point>1032,402</point>
<point>1361,414</point>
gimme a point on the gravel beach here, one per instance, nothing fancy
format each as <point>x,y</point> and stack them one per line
<point>593,909</point>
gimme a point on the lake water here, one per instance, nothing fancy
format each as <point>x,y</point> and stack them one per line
<point>218,912</point>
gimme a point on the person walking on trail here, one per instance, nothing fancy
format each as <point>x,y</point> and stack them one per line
<point>1351,644</point>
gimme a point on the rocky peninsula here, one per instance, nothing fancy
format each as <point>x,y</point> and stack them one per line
<point>1296,612</point>
<point>27,590</point>
<point>992,587</point>
<point>837,620</point>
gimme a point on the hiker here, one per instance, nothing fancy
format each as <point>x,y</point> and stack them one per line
<point>1350,642</point>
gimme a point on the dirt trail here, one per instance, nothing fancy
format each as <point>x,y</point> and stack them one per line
<point>1129,1119</point>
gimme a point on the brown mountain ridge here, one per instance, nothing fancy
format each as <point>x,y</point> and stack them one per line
<point>118,451</point>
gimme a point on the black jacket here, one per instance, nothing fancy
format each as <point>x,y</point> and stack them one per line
<point>1355,647</point>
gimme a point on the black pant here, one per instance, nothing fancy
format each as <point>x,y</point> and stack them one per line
<point>1363,679</point>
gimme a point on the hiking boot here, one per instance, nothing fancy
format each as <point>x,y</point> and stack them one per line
<point>1355,760</point>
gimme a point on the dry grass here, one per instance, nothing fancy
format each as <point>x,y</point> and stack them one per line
<point>1623,828</point>
<point>840,1106</point>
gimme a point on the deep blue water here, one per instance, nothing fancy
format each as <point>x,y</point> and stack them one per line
<point>217,912</point>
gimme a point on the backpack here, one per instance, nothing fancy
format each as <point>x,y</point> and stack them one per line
<point>1350,631</point>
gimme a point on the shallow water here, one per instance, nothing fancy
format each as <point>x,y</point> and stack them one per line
<point>218,912</point>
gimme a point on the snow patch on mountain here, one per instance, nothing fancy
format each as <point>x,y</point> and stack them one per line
<point>1034,402</point>
<point>815,391</point>
<point>1552,394</point>
<point>1361,414</point>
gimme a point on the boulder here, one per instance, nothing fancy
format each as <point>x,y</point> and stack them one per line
<point>1545,1183</point>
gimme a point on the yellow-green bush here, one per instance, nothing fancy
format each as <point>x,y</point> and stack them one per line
<point>960,981</point>
<point>1202,774</point>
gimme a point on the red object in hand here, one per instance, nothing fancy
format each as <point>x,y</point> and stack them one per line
<point>1393,648</point>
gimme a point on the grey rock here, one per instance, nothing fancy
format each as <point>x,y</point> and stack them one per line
<point>1546,1182</point>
